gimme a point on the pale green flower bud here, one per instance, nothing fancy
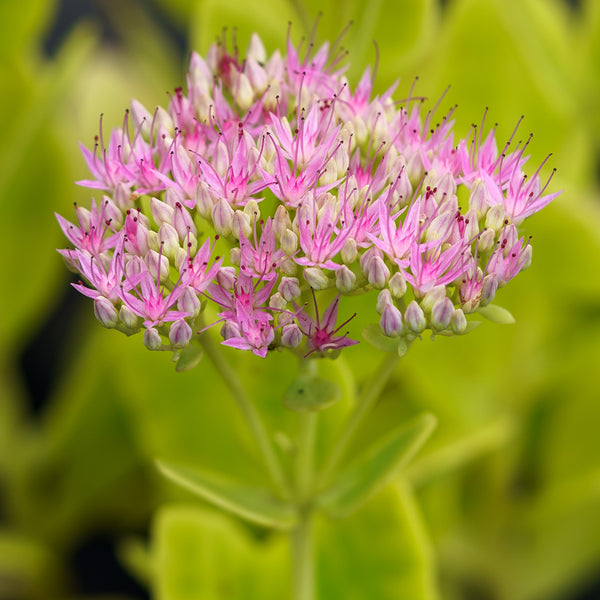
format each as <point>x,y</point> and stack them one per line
<point>383,299</point>
<point>152,261</point>
<point>458,322</point>
<point>161,211</point>
<point>349,251</point>
<point>289,242</point>
<point>391,321</point>
<point>316,278</point>
<point>432,297</point>
<point>289,288</point>
<point>488,289</point>
<point>441,313</point>
<point>168,237</point>
<point>235,255</point>
<point>252,210</point>
<point>180,256</point>
<point>189,302</point>
<point>128,318</point>
<point>243,94</point>
<point>222,216</point>
<point>204,200</point>
<point>277,301</point>
<point>479,201</point>
<point>377,272</point>
<point>153,241</point>
<point>240,225</point>
<point>105,312</point>
<point>415,318</point>
<point>495,217</point>
<point>345,279</point>
<point>281,221</point>
<point>152,339</point>
<point>180,333</point>
<point>486,240</point>
<point>291,336</point>
<point>397,285</point>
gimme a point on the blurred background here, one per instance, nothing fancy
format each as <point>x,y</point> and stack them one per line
<point>503,503</point>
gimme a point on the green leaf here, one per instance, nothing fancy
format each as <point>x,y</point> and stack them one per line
<point>200,554</point>
<point>253,504</point>
<point>373,334</point>
<point>370,472</point>
<point>189,357</point>
<point>381,552</point>
<point>311,393</point>
<point>496,314</point>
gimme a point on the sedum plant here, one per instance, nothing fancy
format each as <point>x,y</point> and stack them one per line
<point>263,197</point>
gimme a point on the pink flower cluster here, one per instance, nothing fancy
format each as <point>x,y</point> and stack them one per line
<point>272,183</point>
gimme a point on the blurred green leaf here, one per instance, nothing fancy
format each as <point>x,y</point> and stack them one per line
<point>256,505</point>
<point>189,358</point>
<point>311,393</point>
<point>201,554</point>
<point>371,471</point>
<point>381,551</point>
<point>22,27</point>
<point>496,314</point>
<point>373,334</point>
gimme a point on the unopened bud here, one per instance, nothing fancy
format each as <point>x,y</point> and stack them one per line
<point>433,296</point>
<point>240,225</point>
<point>281,221</point>
<point>229,330</point>
<point>105,312</point>
<point>161,211</point>
<point>291,336</point>
<point>441,313</point>
<point>345,279</point>
<point>383,299</point>
<point>377,272</point>
<point>235,255</point>
<point>289,288</point>
<point>479,200</point>
<point>252,210</point>
<point>188,302</point>
<point>349,251</point>
<point>152,261</point>
<point>167,236</point>
<point>277,301</point>
<point>152,339</point>
<point>243,94</point>
<point>204,200</point>
<point>226,277</point>
<point>289,242</point>
<point>183,222</point>
<point>486,240</point>
<point>488,289</point>
<point>458,322</point>
<point>180,333</point>
<point>128,317</point>
<point>415,318</point>
<point>397,285</point>
<point>495,217</point>
<point>316,278</point>
<point>391,321</point>
<point>222,216</point>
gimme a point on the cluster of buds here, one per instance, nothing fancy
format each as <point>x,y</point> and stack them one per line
<point>272,187</point>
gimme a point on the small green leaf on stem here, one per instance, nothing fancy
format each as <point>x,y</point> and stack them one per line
<point>374,336</point>
<point>311,393</point>
<point>496,314</point>
<point>371,471</point>
<point>189,357</point>
<point>257,505</point>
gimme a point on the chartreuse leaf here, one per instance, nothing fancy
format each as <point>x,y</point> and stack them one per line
<point>381,552</point>
<point>311,393</point>
<point>189,357</point>
<point>373,334</point>
<point>496,314</point>
<point>200,554</point>
<point>370,472</point>
<point>253,504</point>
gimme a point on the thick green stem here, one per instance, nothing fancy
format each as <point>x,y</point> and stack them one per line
<point>305,451</point>
<point>249,412</point>
<point>363,406</point>
<point>303,558</point>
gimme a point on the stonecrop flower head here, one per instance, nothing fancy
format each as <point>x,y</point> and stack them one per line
<point>271,189</point>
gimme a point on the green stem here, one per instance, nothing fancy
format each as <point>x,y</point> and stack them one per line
<point>361,410</point>
<point>303,560</point>
<point>249,412</point>
<point>305,453</point>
